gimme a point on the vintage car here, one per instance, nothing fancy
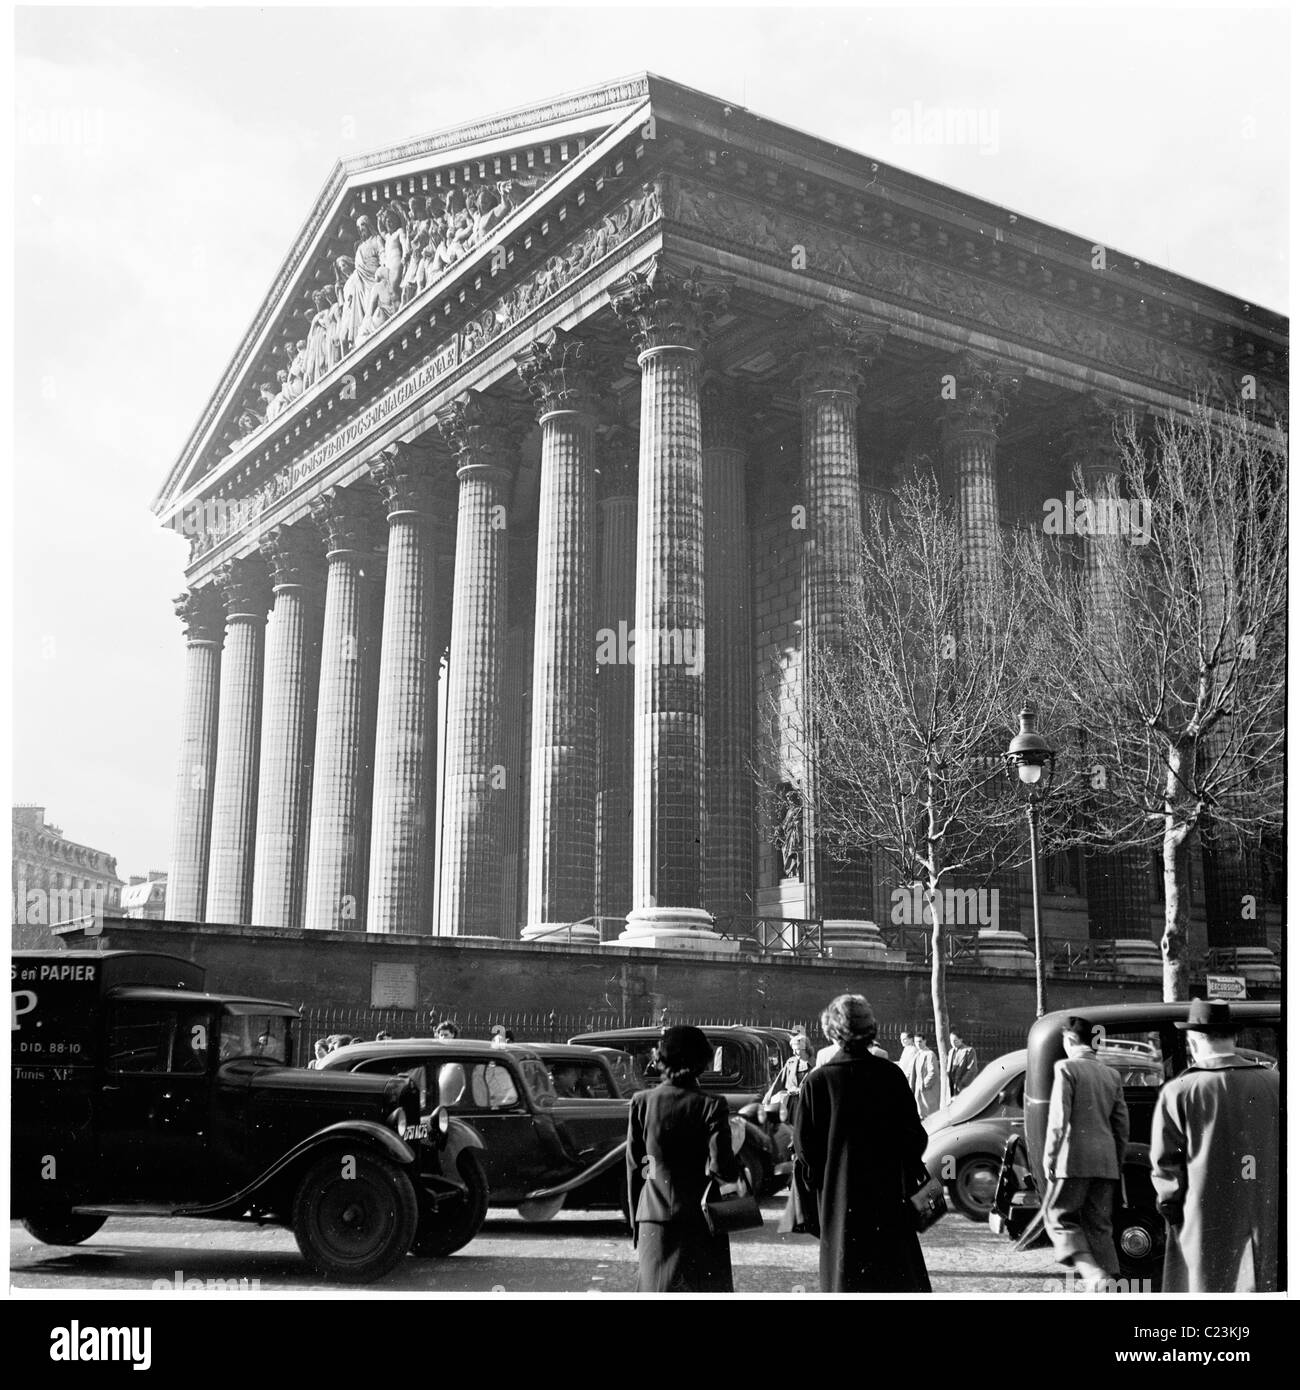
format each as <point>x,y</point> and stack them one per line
<point>541,1151</point>
<point>1147,1033</point>
<point>136,1092</point>
<point>745,1060</point>
<point>969,1135</point>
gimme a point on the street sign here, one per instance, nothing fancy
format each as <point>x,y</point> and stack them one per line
<point>1225,986</point>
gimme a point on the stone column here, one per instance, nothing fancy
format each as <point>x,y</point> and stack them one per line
<point>474,781</point>
<point>669,316</point>
<point>976,401</point>
<point>400,894</point>
<point>830,359</point>
<point>729,688</point>
<point>1117,882</point>
<point>615,619</point>
<point>187,875</point>
<point>288,726</point>
<point>562,783</point>
<point>338,845</point>
<point>247,596</point>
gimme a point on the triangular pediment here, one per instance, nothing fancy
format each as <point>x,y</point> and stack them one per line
<point>385,230</point>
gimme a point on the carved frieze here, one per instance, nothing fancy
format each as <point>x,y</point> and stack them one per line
<point>836,255</point>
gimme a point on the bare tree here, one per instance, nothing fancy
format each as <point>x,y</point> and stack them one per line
<point>908,717</point>
<point>1171,646</point>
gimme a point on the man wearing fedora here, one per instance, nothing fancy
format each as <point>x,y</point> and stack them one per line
<point>1215,1164</point>
<point>1087,1130</point>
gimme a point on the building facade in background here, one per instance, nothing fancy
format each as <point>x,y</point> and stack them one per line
<point>56,879</point>
<point>494,568</point>
<point>145,896</point>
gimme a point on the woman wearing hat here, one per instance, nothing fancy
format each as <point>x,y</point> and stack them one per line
<point>677,1139</point>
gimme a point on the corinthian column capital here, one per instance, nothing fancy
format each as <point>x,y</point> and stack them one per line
<point>480,433</point>
<point>406,477</point>
<point>665,309</point>
<point>832,352</point>
<point>201,612</point>
<point>245,589</point>
<point>347,521</point>
<point>293,554</point>
<point>558,374</point>
<point>1088,429</point>
<point>977,394</point>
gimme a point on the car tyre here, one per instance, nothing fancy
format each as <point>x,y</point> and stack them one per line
<point>974,1184</point>
<point>354,1216</point>
<point>452,1225</point>
<point>62,1227</point>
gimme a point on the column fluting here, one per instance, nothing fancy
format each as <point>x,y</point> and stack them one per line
<point>204,618</point>
<point>474,782</point>
<point>338,844</point>
<point>562,782</point>
<point>400,891</point>
<point>246,594</point>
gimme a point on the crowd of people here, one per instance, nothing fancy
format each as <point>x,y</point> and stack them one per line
<point>859,1142</point>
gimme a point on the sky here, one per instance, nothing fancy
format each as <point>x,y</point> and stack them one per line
<point>166,158</point>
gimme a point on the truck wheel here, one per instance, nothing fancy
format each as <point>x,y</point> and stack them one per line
<point>452,1225</point>
<point>973,1186</point>
<point>62,1227</point>
<point>354,1216</point>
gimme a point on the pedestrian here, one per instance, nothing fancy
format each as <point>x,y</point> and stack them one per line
<point>446,1030</point>
<point>825,1054</point>
<point>321,1047</point>
<point>859,1142</point>
<point>1215,1165</point>
<point>1083,1156</point>
<point>784,1089</point>
<point>963,1064</point>
<point>923,1076</point>
<point>501,1035</point>
<point>908,1052</point>
<point>677,1139</point>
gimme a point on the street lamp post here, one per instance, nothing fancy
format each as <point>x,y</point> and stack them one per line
<point>1034,762</point>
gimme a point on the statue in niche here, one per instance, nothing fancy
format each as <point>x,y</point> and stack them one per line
<point>345,281</point>
<point>788,830</point>
<point>295,383</point>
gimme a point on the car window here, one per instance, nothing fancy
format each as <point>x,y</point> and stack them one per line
<point>268,1036</point>
<point>575,1079</point>
<point>413,1067</point>
<point>727,1067</point>
<point>158,1038</point>
<point>1261,1044</point>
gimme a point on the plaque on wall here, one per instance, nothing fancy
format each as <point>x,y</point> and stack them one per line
<point>392,986</point>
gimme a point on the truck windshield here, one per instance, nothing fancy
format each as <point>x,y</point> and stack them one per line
<point>268,1036</point>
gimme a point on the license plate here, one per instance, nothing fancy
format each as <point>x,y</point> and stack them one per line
<point>414,1133</point>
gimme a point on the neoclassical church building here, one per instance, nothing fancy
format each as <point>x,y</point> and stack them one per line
<point>492,575</point>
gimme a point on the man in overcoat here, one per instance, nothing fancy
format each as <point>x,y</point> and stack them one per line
<point>859,1141</point>
<point>1215,1164</point>
<point>1083,1154</point>
<point>923,1073</point>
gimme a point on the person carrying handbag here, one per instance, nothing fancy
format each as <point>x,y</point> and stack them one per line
<point>678,1146</point>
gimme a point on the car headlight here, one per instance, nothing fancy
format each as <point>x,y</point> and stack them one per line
<point>397,1120</point>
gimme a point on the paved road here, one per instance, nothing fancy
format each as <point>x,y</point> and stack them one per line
<point>581,1252</point>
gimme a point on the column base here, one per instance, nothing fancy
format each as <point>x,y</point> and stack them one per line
<point>847,939</point>
<point>1005,950</point>
<point>1258,965</point>
<point>674,929</point>
<point>562,933</point>
<point>1140,957</point>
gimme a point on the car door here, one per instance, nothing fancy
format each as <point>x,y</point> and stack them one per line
<point>152,1110</point>
<point>521,1150</point>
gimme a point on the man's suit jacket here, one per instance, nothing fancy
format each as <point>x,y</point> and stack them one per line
<point>1087,1120</point>
<point>676,1138</point>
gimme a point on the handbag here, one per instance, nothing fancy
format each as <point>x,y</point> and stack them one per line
<point>731,1212</point>
<point>924,1202</point>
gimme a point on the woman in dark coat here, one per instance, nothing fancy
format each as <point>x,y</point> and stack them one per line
<point>677,1138</point>
<point>859,1139</point>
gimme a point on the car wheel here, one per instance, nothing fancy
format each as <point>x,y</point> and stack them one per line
<point>973,1186</point>
<point>452,1225</point>
<point>1140,1244</point>
<point>62,1227</point>
<point>354,1216</point>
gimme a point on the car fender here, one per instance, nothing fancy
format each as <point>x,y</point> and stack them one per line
<point>974,1137</point>
<point>364,1132</point>
<point>460,1137</point>
<point>749,1133</point>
